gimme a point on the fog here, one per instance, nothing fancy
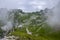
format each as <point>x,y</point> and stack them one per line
<point>5,19</point>
<point>53,18</point>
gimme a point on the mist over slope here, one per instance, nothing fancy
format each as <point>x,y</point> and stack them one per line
<point>54,17</point>
<point>18,17</point>
<point>33,23</point>
<point>43,24</point>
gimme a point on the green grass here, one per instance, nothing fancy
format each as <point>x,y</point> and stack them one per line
<point>24,36</point>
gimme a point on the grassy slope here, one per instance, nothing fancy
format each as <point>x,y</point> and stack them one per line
<point>43,33</point>
<point>24,36</point>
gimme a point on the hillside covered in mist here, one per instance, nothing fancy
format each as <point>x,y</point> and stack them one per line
<point>26,25</point>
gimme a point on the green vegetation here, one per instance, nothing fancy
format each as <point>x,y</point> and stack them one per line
<point>35,22</point>
<point>24,36</point>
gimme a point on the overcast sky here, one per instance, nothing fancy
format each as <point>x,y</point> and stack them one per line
<point>28,5</point>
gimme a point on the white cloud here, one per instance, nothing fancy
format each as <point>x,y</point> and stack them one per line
<point>27,5</point>
<point>38,4</point>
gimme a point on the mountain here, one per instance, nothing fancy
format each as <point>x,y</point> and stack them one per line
<point>26,25</point>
